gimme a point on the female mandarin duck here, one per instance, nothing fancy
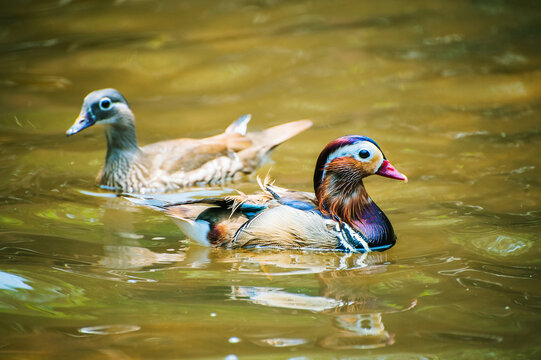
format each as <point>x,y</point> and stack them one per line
<point>339,216</point>
<point>173,164</point>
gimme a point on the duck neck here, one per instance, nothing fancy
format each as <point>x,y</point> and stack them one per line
<point>345,199</point>
<point>122,151</point>
<point>121,140</point>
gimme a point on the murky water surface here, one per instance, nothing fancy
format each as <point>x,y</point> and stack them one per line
<point>451,91</point>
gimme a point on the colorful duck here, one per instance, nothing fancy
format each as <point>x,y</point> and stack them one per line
<point>178,163</point>
<point>339,216</point>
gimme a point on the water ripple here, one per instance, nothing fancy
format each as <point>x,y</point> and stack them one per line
<point>12,282</point>
<point>109,329</point>
<point>469,337</point>
<point>282,342</point>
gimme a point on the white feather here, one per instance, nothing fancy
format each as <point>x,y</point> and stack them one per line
<point>196,230</point>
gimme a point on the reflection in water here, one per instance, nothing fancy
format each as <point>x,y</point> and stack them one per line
<point>281,342</point>
<point>276,262</point>
<point>279,298</point>
<point>109,329</point>
<point>353,330</point>
<point>119,229</point>
<point>13,282</point>
<point>358,331</point>
<point>346,296</point>
<point>469,337</point>
<point>355,313</point>
<point>132,257</point>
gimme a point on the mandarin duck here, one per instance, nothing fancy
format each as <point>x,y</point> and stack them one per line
<point>339,216</point>
<point>173,164</point>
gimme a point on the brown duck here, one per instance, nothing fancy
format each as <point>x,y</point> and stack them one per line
<point>173,164</point>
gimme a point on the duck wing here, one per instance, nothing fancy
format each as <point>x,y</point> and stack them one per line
<point>226,223</point>
<point>185,162</point>
<point>182,155</point>
<point>284,226</point>
<point>301,200</point>
<point>215,221</point>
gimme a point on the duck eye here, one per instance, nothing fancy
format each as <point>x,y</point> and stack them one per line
<point>105,104</point>
<point>364,153</point>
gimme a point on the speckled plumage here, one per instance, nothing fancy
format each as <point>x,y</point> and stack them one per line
<point>339,216</point>
<point>173,164</point>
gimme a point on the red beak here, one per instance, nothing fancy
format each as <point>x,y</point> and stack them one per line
<point>387,170</point>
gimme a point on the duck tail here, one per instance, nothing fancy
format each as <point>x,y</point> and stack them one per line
<point>276,135</point>
<point>185,214</point>
<point>239,126</point>
<point>152,202</point>
<point>265,141</point>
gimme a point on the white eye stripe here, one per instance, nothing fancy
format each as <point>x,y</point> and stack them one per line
<point>352,151</point>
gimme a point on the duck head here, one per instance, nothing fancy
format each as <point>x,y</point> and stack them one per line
<point>106,107</point>
<point>338,178</point>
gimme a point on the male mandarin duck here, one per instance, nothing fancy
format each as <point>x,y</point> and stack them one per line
<point>339,216</point>
<point>173,164</point>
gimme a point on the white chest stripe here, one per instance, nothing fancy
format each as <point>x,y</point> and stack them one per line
<point>344,232</point>
<point>343,238</point>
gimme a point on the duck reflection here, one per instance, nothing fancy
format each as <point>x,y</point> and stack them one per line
<point>359,320</point>
<point>276,262</point>
<point>354,330</point>
<point>355,313</point>
<point>122,249</point>
<point>274,297</point>
<point>358,331</point>
<point>135,257</point>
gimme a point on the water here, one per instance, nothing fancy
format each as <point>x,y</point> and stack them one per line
<point>450,90</point>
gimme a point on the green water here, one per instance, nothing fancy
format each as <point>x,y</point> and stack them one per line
<point>451,91</point>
